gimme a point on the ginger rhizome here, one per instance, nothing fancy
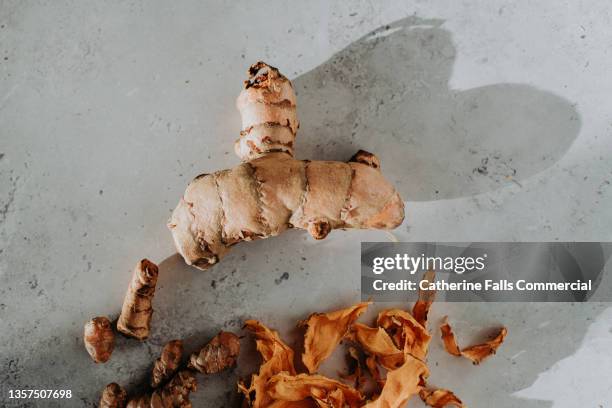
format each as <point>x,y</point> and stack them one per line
<point>135,318</point>
<point>174,394</point>
<point>167,364</point>
<point>113,396</point>
<point>220,353</point>
<point>99,339</point>
<point>271,191</point>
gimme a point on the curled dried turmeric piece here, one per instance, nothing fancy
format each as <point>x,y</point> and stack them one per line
<point>420,310</point>
<point>286,387</point>
<point>277,357</point>
<point>355,371</point>
<point>440,398</point>
<point>407,333</point>
<point>324,332</point>
<point>401,384</point>
<point>475,353</point>
<point>375,341</point>
<point>449,340</point>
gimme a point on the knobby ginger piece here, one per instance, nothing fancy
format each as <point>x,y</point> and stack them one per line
<point>167,364</point>
<point>113,396</point>
<point>408,334</point>
<point>287,387</point>
<point>277,357</point>
<point>174,394</point>
<point>271,191</point>
<point>401,384</point>
<point>324,332</point>
<point>440,398</point>
<point>220,353</point>
<point>475,353</point>
<point>99,339</point>
<point>135,318</point>
<point>420,310</point>
<point>375,341</point>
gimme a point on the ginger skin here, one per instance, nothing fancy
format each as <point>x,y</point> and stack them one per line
<point>271,191</point>
<point>220,353</point>
<point>135,318</point>
<point>99,339</point>
<point>113,396</point>
<point>167,364</point>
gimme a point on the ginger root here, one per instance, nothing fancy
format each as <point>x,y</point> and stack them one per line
<point>99,339</point>
<point>113,396</point>
<point>174,394</point>
<point>135,318</point>
<point>167,364</point>
<point>271,191</point>
<point>220,353</point>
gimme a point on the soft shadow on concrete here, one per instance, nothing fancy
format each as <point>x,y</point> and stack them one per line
<point>389,93</point>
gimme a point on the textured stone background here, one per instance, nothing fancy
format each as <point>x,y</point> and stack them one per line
<point>493,118</point>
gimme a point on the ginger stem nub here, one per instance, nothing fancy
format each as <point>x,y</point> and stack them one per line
<point>220,353</point>
<point>113,396</point>
<point>99,339</point>
<point>167,364</point>
<point>135,318</point>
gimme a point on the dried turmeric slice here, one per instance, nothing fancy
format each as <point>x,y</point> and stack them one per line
<point>355,371</point>
<point>448,338</point>
<point>277,357</point>
<point>479,352</point>
<point>407,333</point>
<point>299,387</point>
<point>324,332</point>
<point>440,398</point>
<point>420,310</point>
<point>401,384</point>
<point>475,353</point>
<point>375,341</point>
<point>307,403</point>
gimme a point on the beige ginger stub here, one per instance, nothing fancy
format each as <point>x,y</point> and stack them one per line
<point>270,191</point>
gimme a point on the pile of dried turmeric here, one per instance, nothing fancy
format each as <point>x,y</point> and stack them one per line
<point>398,345</point>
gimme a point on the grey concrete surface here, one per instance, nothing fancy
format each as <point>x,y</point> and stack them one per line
<point>494,118</point>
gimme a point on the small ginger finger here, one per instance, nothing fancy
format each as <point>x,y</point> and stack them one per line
<point>99,339</point>
<point>113,396</point>
<point>220,353</point>
<point>167,364</point>
<point>135,318</point>
<point>176,392</point>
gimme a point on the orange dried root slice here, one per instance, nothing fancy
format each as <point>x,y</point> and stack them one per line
<point>401,384</point>
<point>448,338</point>
<point>440,398</point>
<point>277,357</point>
<point>324,332</point>
<point>376,342</point>
<point>475,353</point>
<point>407,333</point>
<point>307,403</point>
<point>420,310</point>
<point>286,387</point>
<point>355,373</point>
<point>372,366</point>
